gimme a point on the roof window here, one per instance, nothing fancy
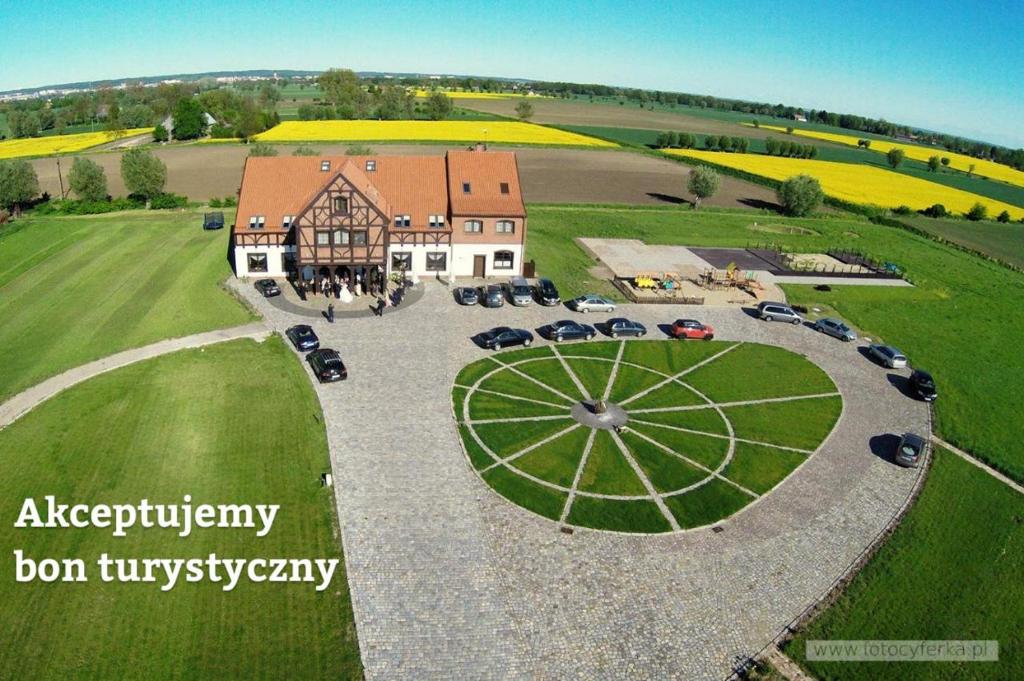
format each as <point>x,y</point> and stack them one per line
<point>504,187</point>
<point>466,188</point>
<point>325,166</point>
<point>371,165</point>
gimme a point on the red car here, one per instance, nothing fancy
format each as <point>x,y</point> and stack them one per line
<point>691,328</point>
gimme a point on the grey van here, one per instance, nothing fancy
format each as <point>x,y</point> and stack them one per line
<point>778,312</point>
<point>520,293</point>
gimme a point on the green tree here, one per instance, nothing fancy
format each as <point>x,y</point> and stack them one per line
<point>933,163</point>
<point>270,95</point>
<point>970,170</point>
<point>799,195</point>
<point>771,146</point>
<point>114,124</point>
<point>160,133</point>
<point>895,157</point>
<point>344,90</point>
<point>703,184</point>
<point>936,210</point>
<point>439,106</point>
<point>789,129</point>
<point>757,124</point>
<point>710,142</point>
<point>661,141</point>
<point>23,123</point>
<point>739,144</point>
<point>143,173</point>
<point>671,139</point>
<point>303,150</point>
<point>524,110</point>
<point>1003,217</point>
<point>813,152</point>
<point>18,185</point>
<point>262,149</point>
<point>394,102</point>
<point>977,212</point>
<point>188,119</point>
<point>945,161</point>
<point>725,143</point>
<point>87,180</point>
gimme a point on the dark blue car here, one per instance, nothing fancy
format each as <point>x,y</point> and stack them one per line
<point>566,329</point>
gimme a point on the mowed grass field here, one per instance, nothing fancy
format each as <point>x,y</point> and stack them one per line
<point>1002,242</point>
<point>962,162</point>
<point>859,184</point>
<point>951,571</point>
<point>959,320</point>
<point>499,132</point>
<point>60,144</point>
<point>73,290</point>
<point>236,423</point>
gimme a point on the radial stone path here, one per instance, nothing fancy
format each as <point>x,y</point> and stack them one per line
<point>450,580</point>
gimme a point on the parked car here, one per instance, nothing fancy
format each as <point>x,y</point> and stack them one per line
<point>835,328</point>
<point>888,355</point>
<point>620,326</point>
<point>268,287</point>
<point>467,295</point>
<point>592,303</point>
<point>520,293</point>
<point>923,385</point>
<point>691,328</point>
<point>303,337</point>
<point>778,312</point>
<point>327,365</point>
<point>505,336</point>
<point>547,294</point>
<point>566,329</point>
<point>910,450</point>
<point>492,296</point>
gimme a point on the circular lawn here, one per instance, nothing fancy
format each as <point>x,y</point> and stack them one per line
<point>641,436</point>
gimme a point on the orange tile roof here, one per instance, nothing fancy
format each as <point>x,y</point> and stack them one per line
<point>276,186</point>
<point>485,171</point>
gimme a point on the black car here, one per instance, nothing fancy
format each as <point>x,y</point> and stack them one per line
<point>567,329</point>
<point>492,296</point>
<point>303,337</point>
<point>546,293</point>
<point>504,336</point>
<point>467,295</point>
<point>923,385</point>
<point>327,365</point>
<point>268,287</point>
<point>620,326</point>
<point>910,450</point>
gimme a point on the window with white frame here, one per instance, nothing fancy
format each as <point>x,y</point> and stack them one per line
<point>437,221</point>
<point>341,205</point>
<point>323,238</point>
<point>341,237</point>
<point>371,165</point>
<point>256,222</point>
<point>325,166</point>
<point>505,227</point>
<point>473,226</point>
<point>287,220</point>
<point>437,262</point>
<point>257,262</point>
<point>401,261</point>
<point>503,260</point>
<point>403,221</point>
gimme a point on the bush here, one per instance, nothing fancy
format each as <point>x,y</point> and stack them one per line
<point>219,131</point>
<point>165,201</point>
<point>160,134</point>
<point>230,201</point>
<point>1003,217</point>
<point>80,207</point>
<point>305,150</point>
<point>935,211</point>
<point>799,195</point>
<point>215,203</point>
<point>977,212</point>
<point>903,210</point>
<point>262,149</point>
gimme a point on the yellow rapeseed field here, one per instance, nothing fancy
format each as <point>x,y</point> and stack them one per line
<point>857,183</point>
<point>59,144</point>
<point>425,131</point>
<point>464,94</point>
<point>989,169</point>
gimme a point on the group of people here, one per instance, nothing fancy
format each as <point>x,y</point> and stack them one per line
<point>337,285</point>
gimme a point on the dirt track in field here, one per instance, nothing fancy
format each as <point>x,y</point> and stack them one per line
<point>202,172</point>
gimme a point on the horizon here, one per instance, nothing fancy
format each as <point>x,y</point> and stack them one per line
<point>845,64</point>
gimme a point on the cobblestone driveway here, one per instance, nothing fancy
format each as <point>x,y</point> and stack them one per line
<point>449,580</point>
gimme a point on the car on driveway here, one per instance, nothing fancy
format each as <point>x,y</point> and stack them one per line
<point>691,328</point>
<point>467,295</point>
<point>303,337</point>
<point>910,450</point>
<point>835,328</point>
<point>592,303</point>
<point>327,365</point>
<point>888,355</point>
<point>492,296</point>
<point>546,292</point>
<point>620,326</point>
<point>505,336</point>
<point>566,329</point>
<point>520,293</point>
<point>268,287</point>
<point>778,312</point>
<point>923,385</point>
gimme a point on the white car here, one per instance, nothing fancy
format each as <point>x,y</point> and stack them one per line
<point>888,356</point>
<point>592,303</point>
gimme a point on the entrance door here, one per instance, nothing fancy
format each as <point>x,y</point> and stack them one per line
<point>479,265</point>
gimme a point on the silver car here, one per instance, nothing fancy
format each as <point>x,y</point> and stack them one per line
<point>888,355</point>
<point>520,293</point>
<point>592,303</point>
<point>835,328</point>
<point>778,312</point>
<point>910,450</point>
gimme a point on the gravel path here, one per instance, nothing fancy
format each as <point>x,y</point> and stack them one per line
<point>450,580</point>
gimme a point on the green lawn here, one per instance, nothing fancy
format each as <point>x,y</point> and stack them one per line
<point>73,290</point>
<point>999,241</point>
<point>754,372</point>
<point>951,571</point>
<point>607,471</point>
<point>802,424</point>
<point>181,424</point>
<point>708,503</point>
<point>962,309</point>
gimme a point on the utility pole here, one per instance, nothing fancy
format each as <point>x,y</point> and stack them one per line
<point>61,178</point>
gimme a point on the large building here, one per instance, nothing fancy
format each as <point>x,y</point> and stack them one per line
<point>457,215</point>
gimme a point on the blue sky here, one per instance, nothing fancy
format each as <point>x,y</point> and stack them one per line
<point>951,66</point>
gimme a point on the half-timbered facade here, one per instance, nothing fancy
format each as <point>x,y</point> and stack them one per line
<point>457,215</point>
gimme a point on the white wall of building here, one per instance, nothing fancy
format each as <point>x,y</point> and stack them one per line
<point>463,255</point>
<point>275,260</point>
<point>419,259</point>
